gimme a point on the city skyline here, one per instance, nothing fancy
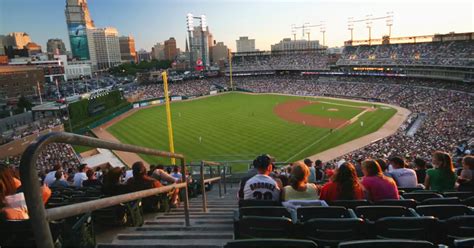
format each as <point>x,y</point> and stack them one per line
<point>267,22</point>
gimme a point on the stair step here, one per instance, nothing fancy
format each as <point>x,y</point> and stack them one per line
<point>176,235</point>
<point>177,245</point>
<point>194,217</point>
<point>213,228</point>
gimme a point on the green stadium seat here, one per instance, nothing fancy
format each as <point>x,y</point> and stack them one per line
<point>270,243</point>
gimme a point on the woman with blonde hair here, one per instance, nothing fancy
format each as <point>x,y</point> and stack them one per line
<point>441,177</point>
<point>299,188</point>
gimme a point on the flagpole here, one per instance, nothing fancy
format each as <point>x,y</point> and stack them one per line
<point>57,89</point>
<point>168,115</point>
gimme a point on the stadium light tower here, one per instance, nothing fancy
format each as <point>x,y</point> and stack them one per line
<point>369,26</point>
<point>293,31</point>
<point>190,26</point>
<point>350,26</point>
<point>389,22</point>
<point>323,30</point>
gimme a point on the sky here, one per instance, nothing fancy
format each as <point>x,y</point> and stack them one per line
<point>266,21</point>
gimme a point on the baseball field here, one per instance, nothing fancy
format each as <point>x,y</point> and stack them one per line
<point>240,126</point>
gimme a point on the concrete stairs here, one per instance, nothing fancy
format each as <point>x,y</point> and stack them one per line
<point>213,228</point>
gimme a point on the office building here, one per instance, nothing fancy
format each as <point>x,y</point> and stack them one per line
<point>55,47</point>
<point>170,50</point>
<point>158,51</point>
<point>197,45</point>
<point>16,81</point>
<point>144,55</point>
<point>78,21</point>
<point>244,44</point>
<point>105,52</point>
<point>17,40</point>
<point>127,49</point>
<point>219,52</point>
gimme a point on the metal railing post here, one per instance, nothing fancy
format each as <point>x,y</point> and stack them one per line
<point>203,188</point>
<point>220,181</point>
<point>225,181</point>
<point>230,172</point>
<point>186,202</point>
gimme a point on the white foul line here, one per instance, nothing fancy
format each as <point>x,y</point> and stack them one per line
<point>312,144</point>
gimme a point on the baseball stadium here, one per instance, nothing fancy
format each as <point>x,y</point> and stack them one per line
<point>303,145</point>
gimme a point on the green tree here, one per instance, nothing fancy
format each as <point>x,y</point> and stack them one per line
<point>24,103</point>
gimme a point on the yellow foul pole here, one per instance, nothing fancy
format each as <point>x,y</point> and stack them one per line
<point>230,70</point>
<point>168,115</point>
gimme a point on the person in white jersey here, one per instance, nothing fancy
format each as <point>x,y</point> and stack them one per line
<point>262,186</point>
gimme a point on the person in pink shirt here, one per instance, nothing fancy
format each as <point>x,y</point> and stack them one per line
<point>377,186</point>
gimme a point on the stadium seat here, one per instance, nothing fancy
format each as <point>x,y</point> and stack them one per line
<point>306,213</point>
<point>256,203</point>
<point>383,243</point>
<point>441,201</point>
<point>408,190</point>
<point>469,201</point>
<point>463,243</point>
<point>263,227</point>
<point>421,196</point>
<point>19,233</point>
<point>264,211</point>
<point>460,195</point>
<point>419,228</point>
<point>78,231</point>
<point>459,227</point>
<point>269,243</point>
<point>332,231</point>
<point>408,203</point>
<point>443,212</point>
<point>352,204</point>
<point>373,213</point>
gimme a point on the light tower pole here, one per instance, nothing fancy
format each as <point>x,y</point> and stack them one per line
<point>323,30</point>
<point>190,25</point>
<point>389,22</point>
<point>369,26</point>
<point>293,31</point>
<point>203,30</point>
<point>350,26</point>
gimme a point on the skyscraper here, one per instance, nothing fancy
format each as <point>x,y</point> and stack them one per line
<point>17,40</point>
<point>127,49</point>
<point>196,45</point>
<point>170,49</point>
<point>78,21</point>
<point>219,52</point>
<point>158,51</point>
<point>106,47</point>
<point>55,46</point>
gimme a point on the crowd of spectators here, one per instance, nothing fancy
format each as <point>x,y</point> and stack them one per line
<point>18,132</point>
<point>303,60</point>
<point>196,87</point>
<point>449,53</point>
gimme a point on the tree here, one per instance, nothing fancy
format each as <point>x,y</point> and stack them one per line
<point>24,103</point>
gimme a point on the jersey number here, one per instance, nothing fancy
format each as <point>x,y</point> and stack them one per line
<point>266,196</point>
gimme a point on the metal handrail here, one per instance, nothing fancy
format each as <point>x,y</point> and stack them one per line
<point>221,178</point>
<point>39,216</point>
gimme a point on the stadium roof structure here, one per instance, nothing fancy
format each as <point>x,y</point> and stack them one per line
<point>50,106</point>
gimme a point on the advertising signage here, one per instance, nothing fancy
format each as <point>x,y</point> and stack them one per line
<point>78,39</point>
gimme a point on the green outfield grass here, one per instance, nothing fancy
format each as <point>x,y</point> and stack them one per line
<point>238,126</point>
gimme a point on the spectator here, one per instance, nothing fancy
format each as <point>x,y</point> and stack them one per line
<point>59,182</point>
<point>377,186</point>
<point>51,176</point>
<point>466,182</point>
<point>250,173</point>
<point>92,180</point>
<point>404,177</point>
<point>319,170</point>
<point>177,174</point>
<point>420,170</point>
<point>12,199</point>
<point>442,177</point>
<point>312,170</point>
<point>159,174</point>
<point>299,188</point>
<point>344,185</point>
<point>80,176</point>
<point>384,167</point>
<point>112,184</point>
<point>262,186</point>
<point>140,181</point>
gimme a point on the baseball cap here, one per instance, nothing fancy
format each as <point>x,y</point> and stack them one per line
<point>308,161</point>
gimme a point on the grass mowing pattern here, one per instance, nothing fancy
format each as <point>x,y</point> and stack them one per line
<point>237,126</point>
